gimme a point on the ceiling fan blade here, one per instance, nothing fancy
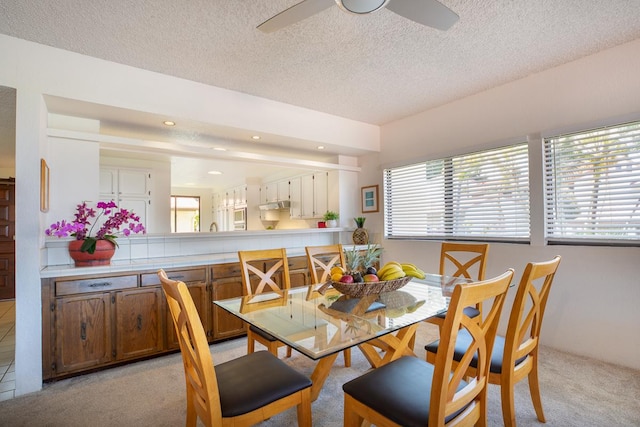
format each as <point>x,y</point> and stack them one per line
<point>295,13</point>
<point>426,12</point>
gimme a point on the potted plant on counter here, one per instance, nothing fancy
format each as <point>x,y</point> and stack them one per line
<point>91,250</point>
<point>331,219</point>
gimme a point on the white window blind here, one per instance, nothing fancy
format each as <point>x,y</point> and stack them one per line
<point>593,185</point>
<point>479,195</point>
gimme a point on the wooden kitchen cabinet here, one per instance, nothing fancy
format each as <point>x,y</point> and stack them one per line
<point>139,323</point>
<point>196,281</point>
<point>82,332</point>
<point>226,282</point>
<point>298,271</point>
<point>96,321</point>
<point>78,325</point>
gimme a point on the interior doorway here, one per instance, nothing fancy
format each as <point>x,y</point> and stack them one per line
<point>7,191</point>
<point>7,238</point>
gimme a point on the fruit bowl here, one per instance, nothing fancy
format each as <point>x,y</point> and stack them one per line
<point>367,288</point>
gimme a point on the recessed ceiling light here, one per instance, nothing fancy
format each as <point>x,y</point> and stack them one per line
<point>256,137</point>
<point>214,173</point>
<point>169,123</point>
<point>219,149</point>
<point>320,147</point>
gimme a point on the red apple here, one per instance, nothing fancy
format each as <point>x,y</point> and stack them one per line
<point>371,278</point>
<point>347,278</point>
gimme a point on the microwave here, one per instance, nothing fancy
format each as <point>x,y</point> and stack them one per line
<point>240,219</point>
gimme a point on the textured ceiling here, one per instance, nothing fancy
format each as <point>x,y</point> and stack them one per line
<point>373,68</point>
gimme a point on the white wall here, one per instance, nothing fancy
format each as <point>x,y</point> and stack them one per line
<point>66,190</point>
<point>593,307</point>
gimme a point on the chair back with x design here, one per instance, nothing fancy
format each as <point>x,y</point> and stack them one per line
<point>254,277</point>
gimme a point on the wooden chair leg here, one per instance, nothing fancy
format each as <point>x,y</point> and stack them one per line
<point>288,351</point>
<point>351,417</point>
<point>508,406</point>
<point>534,389</point>
<point>347,357</point>
<point>304,408</point>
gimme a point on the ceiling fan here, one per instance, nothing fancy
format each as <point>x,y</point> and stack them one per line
<point>426,12</point>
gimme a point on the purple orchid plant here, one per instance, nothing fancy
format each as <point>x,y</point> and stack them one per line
<point>81,227</point>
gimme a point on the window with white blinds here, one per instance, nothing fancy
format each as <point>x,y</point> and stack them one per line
<point>479,195</point>
<point>592,185</point>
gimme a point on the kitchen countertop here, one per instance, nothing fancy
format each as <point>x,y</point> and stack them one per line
<point>134,264</point>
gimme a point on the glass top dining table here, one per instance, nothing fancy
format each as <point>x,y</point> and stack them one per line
<point>322,325</point>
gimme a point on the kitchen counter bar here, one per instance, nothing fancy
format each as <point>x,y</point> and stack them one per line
<point>152,252</point>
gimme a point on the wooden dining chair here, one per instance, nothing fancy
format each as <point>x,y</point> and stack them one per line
<point>322,259</point>
<point>264,271</point>
<point>410,391</point>
<point>515,355</point>
<point>467,260</point>
<point>240,392</point>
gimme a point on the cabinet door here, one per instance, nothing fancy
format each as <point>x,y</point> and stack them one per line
<point>226,282</point>
<point>298,271</point>
<point>283,190</point>
<point>240,196</point>
<point>133,183</point>
<point>307,196</point>
<point>200,297</point>
<point>139,323</point>
<point>263,194</point>
<point>295,197</point>
<point>272,192</point>
<point>320,194</point>
<point>225,324</point>
<point>83,332</point>
<point>109,183</point>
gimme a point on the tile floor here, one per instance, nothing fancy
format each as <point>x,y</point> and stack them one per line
<point>7,349</point>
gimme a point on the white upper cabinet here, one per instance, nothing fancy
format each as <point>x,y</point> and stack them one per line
<point>134,183</point>
<point>240,196</point>
<point>321,193</point>
<point>308,195</point>
<point>129,189</point>
<point>274,192</point>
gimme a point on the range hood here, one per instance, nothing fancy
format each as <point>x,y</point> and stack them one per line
<point>275,206</point>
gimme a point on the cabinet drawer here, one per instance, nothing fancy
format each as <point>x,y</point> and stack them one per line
<point>297,263</point>
<point>187,276</point>
<point>226,270</point>
<point>102,284</point>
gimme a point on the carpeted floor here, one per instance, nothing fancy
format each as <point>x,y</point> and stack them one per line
<point>576,391</point>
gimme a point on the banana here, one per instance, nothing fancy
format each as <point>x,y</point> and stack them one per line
<point>415,273</point>
<point>386,268</point>
<point>395,274</point>
<point>412,270</point>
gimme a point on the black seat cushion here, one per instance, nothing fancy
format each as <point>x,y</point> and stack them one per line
<point>462,343</point>
<point>470,312</point>
<point>262,333</point>
<point>400,390</point>
<point>255,380</point>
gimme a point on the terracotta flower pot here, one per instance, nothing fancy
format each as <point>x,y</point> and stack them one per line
<point>102,255</point>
